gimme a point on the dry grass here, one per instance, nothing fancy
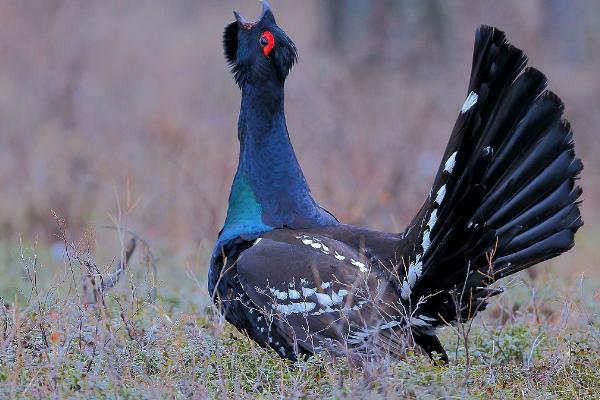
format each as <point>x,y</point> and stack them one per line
<point>539,341</point>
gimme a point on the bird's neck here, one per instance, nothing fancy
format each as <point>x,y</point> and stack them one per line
<point>269,190</point>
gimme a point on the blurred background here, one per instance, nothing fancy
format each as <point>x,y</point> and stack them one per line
<point>125,112</point>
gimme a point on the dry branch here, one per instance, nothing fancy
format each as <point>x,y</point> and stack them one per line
<point>108,281</point>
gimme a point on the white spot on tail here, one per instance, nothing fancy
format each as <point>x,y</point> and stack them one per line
<point>418,322</point>
<point>449,166</point>
<point>440,195</point>
<point>469,102</point>
<point>389,325</point>
<point>358,337</point>
<point>432,219</point>
<point>362,335</point>
<point>426,241</point>
<point>414,272</point>
<point>405,290</point>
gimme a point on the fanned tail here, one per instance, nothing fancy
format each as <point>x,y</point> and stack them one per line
<point>506,187</point>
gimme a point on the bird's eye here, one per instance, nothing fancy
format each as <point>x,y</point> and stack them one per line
<point>267,42</point>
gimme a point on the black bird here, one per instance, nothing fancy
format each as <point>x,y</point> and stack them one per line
<point>291,276</point>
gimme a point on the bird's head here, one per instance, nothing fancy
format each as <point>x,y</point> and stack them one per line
<point>258,51</point>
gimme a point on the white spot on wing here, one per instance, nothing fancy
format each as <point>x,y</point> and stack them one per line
<point>469,102</point>
<point>296,308</point>
<point>339,256</point>
<point>257,241</point>
<point>358,264</point>
<point>293,294</point>
<point>339,296</point>
<point>324,299</point>
<point>279,294</point>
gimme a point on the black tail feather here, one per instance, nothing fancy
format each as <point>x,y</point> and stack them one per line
<point>506,187</point>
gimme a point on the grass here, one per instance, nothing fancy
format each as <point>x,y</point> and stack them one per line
<point>540,340</point>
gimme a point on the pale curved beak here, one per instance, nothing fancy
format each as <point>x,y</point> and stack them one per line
<point>248,24</point>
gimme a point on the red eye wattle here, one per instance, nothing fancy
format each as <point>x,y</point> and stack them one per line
<point>267,41</point>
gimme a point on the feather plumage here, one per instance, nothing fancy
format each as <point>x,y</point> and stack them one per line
<point>286,272</point>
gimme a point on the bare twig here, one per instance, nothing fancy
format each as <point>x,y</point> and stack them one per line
<point>151,259</point>
<point>107,281</point>
<point>5,320</point>
<point>110,280</point>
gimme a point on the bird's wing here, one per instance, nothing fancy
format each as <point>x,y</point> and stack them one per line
<point>504,197</point>
<point>317,292</point>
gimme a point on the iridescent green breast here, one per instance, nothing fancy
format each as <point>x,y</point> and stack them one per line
<point>244,215</point>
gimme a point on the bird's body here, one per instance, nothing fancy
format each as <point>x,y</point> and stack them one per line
<point>290,275</point>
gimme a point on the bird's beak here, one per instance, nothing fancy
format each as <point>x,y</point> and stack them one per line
<point>247,24</point>
<point>265,7</point>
